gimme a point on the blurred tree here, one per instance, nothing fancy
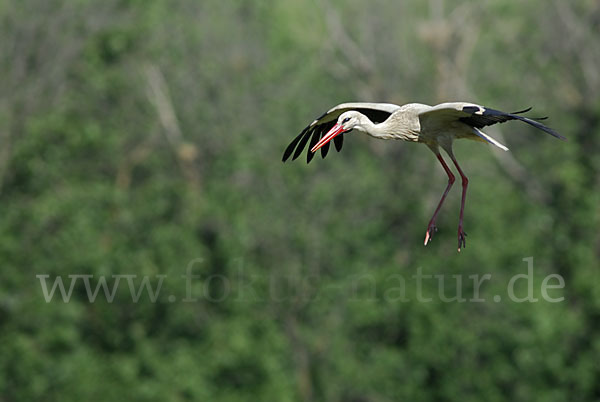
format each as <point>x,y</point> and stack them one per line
<point>142,138</point>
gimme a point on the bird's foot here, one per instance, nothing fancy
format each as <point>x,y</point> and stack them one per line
<point>462,241</point>
<point>431,229</point>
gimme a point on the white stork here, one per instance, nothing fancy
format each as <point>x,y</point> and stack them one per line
<point>435,126</point>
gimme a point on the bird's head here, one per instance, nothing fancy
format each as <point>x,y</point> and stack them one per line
<point>347,121</point>
<point>350,120</point>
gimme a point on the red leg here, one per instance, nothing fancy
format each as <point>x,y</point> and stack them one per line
<point>431,229</point>
<point>465,184</point>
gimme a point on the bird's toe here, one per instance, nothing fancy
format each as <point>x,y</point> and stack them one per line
<point>462,241</point>
<point>429,234</point>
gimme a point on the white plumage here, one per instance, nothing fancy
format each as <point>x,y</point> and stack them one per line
<point>436,126</point>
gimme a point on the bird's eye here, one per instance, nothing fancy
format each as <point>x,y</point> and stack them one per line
<point>346,120</point>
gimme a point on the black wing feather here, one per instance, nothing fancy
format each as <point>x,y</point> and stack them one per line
<point>299,143</point>
<point>313,141</point>
<point>492,116</point>
<point>290,148</point>
<point>339,142</point>
<point>522,111</point>
<point>302,144</point>
<point>316,132</point>
<point>376,116</point>
<point>325,150</point>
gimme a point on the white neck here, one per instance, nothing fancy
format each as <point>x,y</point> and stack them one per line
<point>374,130</point>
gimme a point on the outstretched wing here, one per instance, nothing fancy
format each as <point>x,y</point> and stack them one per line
<point>377,112</point>
<point>478,117</point>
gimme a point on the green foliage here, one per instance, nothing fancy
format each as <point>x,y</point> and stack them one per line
<point>144,139</point>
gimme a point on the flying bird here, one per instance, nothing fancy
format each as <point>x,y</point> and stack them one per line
<point>435,126</point>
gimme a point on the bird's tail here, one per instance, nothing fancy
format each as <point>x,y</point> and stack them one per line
<point>489,139</point>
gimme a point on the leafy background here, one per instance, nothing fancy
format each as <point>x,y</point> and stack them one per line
<point>143,137</point>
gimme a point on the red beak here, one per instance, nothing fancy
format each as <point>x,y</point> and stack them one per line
<point>335,130</point>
